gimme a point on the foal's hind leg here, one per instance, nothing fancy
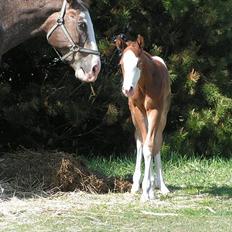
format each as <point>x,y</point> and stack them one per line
<point>159,181</point>
<point>159,175</point>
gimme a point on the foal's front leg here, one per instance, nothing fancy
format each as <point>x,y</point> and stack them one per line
<point>148,149</point>
<point>137,174</point>
<point>140,124</point>
<point>148,193</point>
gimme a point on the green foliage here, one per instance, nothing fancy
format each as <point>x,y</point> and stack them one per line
<point>46,106</point>
<point>202,77</point>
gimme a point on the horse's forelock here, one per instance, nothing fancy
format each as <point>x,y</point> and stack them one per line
<point>84,3</point>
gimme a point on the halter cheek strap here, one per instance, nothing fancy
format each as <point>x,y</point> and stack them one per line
<point>73,48</point>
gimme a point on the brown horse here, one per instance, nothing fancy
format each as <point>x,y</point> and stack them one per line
<point>146,84</point>
<point>67,25</point>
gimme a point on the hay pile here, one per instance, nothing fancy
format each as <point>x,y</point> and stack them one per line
<point>28,172</point>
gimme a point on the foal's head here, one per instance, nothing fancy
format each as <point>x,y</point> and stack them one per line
<point>78,24</point>
<point>130,63</point>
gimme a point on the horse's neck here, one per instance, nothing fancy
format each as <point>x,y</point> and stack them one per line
<point>147,62</point>
<point>21,19</point>
<point>146,79</point>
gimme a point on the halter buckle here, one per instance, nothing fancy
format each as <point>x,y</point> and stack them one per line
<point>60,21</point>
<point>75,48</point>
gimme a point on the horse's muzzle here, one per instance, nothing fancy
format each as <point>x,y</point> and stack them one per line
<point>90,76</point>
<point>129,92</point>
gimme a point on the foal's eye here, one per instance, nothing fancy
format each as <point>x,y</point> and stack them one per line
<point>82,26</point>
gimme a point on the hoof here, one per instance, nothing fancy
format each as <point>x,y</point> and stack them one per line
<point>135,188</point>
<point>147,196</point>
<point>151,195</point>
<point>164,190</point>
<point>144,198</point>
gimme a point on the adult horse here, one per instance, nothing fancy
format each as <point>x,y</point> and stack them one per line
<point>66,24</point>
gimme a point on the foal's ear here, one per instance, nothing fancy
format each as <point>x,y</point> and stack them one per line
<point>140,41</point>
<point>70,2</point>
<point>120,44</point>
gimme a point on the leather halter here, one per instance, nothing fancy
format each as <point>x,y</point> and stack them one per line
<point>73,48</point>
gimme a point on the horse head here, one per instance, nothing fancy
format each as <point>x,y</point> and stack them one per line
<point>70,32</point>
<point>130,62</point>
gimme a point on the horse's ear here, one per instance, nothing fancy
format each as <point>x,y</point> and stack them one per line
<point>140,41</point>
<point>120,43</point>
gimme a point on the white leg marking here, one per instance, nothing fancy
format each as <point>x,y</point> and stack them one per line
<point>152,180</point>
<point>147,174</point>
<point>159,175</point>
<point>137,174</point>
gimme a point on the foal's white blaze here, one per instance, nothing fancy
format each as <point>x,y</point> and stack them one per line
<point>131,72</point>
<point>88,67</point>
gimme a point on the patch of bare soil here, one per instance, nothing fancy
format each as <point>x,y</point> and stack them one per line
<point>25,173</point>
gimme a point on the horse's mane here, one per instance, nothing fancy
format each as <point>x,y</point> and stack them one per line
<point>147,54</point>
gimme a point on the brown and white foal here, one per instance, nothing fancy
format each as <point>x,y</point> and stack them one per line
<point>146,83</point>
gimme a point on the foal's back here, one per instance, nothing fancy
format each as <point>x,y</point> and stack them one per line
<point>156,81</point>
<point>160,64</point>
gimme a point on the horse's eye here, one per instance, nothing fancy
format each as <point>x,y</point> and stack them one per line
<point>82,26</point>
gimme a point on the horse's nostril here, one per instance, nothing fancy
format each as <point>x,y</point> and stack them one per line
<point>95,68</point>
<point>128,92</point>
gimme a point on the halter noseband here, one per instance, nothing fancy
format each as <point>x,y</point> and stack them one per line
<point>74,47</point>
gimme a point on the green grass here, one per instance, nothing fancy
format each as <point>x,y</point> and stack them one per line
<point>189,175</point>
<point>201,200</point>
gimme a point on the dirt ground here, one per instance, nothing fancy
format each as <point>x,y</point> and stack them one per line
<point>25,172</point>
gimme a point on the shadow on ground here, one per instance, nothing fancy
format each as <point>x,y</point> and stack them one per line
<point>223,191</point>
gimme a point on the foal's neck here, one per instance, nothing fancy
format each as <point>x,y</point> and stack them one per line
<point>22,19</point>
<point>147,58</point>
<point>146,76</point>
<point>147,62</point>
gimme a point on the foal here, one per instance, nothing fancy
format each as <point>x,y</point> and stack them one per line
<point>146,83</point>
